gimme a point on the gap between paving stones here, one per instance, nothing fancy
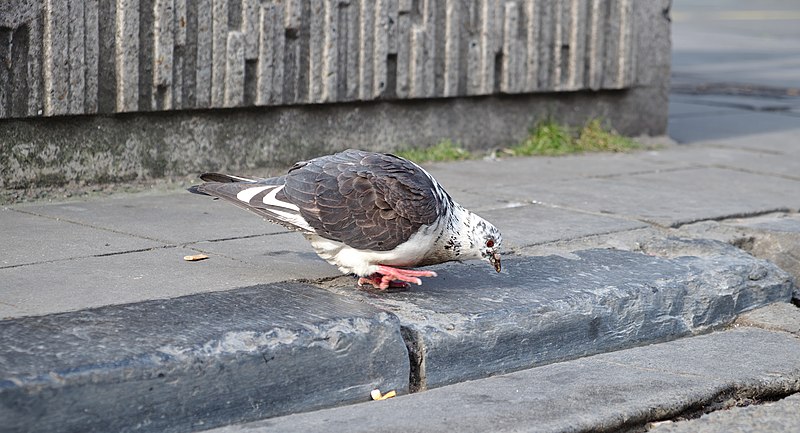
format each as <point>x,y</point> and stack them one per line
<point>735,396</point>
<point>83,224</point>
<point>115,253</point>
<point>779,317</point>
<point>769,416</point>
<point>171,244</point>
<point>762,173</point>
<point>167,245</point>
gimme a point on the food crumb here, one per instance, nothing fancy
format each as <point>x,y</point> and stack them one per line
<point>195,257</point>
<point>376,394</point>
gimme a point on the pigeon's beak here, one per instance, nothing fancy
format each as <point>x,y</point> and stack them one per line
<point>494,259</point>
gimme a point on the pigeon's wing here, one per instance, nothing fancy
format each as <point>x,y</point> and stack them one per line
<point>368,201</point>
<point>262,196</point>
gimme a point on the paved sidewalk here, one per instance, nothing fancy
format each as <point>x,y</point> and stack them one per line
<point>106,327</point>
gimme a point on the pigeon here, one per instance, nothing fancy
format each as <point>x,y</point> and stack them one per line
<point>374,215</point>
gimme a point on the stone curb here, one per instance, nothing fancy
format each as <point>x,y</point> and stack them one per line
<point>470,323</point>
<point>196,362</point>
<point>618,391</point>
<point>211,359</point>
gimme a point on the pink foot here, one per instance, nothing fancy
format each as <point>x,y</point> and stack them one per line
<point>394,277</point>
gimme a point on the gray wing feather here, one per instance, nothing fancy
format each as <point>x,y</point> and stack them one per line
<point>228,188</point>
<point>369,201</point>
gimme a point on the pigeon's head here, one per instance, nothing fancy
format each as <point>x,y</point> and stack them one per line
<point>487,241</point>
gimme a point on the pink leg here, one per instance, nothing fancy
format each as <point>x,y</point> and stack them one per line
<point>388,276</point>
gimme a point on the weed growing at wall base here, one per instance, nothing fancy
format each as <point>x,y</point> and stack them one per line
<point>550,138</point>
<point>547,138</point>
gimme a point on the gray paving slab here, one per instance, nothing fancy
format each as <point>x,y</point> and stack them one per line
<point>599,393</point>
<point>781,223</point>
<point>277,257</point>
<point>96,281</point>
<point>489,175</point>
<point>741,126</point>
<point>769,163</point>
<point>470,322</point>
<point>34,239</point>
<point>532,224</point>
<point>198,361</point>
<point>782,416</point>
<point>779,142</point>
<point>668,198</point>
<point>176,217</point>
<point>777,317</point>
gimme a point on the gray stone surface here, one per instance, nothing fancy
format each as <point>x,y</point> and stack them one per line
<point>780,416</point>
<point>470,322</point>
<point>774,237</point>
<point>130,248</point>
<point>778,317</point>
<point>532,224</point>
<point>508,172</point>
<point>609,392</point>
<point>778,140</point>
<point>196,362</point>
<point>172,218</point>
<point>30,239</point>
<point>74,284</point>
<point>282,255</point>
<point>785,163</point>
<point>668,198</point>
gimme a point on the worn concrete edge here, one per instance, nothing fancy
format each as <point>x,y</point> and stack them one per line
<point>447,348</point>
<point>777,246</point>
<point>196,361</point>
<point>623,391</point>
<point>771,236</point>
<point>782,415</point>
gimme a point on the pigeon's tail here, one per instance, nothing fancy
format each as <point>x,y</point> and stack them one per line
<point>218,178</point>
<point>226,178</point>
<point>261,196</point>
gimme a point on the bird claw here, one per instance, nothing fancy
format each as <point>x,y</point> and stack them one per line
<point>376,281</point>
<point>388,277</point>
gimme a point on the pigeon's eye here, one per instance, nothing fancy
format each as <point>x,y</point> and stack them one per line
<point>490,243</point>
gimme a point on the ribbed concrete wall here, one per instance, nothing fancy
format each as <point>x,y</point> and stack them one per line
<point>61,57</point>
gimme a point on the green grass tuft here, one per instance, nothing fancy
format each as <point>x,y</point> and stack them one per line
<point>550,138</point>
<point>596,138</point>
<point>445,150</point>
